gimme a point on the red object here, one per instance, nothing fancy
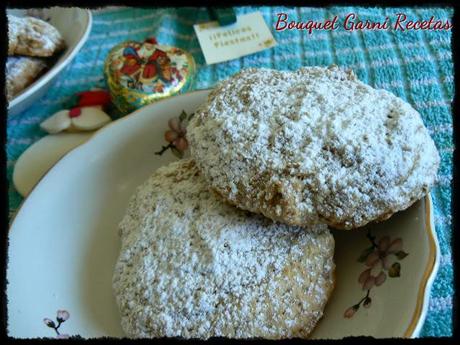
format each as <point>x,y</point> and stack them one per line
<point>75,112</point>
<point>92,98</point>
<point>150,70</point>
<point>131,65</point>
<point>151,40</point>
<point>156,54</point>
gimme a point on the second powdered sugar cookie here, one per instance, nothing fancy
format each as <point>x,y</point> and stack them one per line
<point>191,266</point>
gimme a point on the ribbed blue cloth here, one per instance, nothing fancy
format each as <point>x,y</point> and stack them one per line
<point>415,65</point>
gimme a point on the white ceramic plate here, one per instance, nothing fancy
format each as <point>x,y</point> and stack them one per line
<point>74,24</point>
<point>64,242</point>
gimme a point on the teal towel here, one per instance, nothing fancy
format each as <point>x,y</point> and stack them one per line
<point>415,65</point>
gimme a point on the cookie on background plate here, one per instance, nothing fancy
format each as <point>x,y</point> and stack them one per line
<point>32,37</point>
<point>21,71</point>
<point>192,266</point>
<point>313,145</point>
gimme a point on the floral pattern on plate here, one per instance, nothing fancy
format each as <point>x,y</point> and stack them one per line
<point>175,135</point>
<point>61,317</point>
<point>381,260</point>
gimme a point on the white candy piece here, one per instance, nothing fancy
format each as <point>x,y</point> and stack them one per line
<point>35,162</point>
<point>91,118</point>
<point>57,122</point>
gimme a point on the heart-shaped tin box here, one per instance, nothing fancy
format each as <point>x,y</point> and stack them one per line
<point>142,73</point>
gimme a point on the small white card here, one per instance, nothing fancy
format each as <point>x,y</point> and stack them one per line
<point>250,34</point>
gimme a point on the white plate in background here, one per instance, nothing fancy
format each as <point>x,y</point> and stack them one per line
<point>74,24</point>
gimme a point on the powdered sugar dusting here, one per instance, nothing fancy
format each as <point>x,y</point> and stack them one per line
<point>314,145</point>
<point>192,266</point>
<point>33,37</point>
<point>20,72</point>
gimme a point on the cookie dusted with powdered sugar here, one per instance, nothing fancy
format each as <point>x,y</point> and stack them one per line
<point>32,37</point>
<point>21,71</point>
<point>192,266</point>
<point>313,145</point>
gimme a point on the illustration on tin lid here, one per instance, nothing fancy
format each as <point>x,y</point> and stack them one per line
<point>149,67</point>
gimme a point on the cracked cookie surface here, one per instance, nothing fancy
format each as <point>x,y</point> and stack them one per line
<point>313,145</point>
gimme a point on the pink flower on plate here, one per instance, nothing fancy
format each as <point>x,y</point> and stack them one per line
<point>351,311</point>
<point>49,322</point>
<point>62,315</point>
<point>176,134</point>
<point>379,261</point>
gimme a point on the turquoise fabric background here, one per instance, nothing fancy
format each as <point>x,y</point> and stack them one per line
<point>415,65</point>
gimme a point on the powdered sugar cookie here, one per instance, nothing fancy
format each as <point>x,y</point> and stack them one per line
<point>314,145</point>
<point>33,37</point>
<point>191,266</point>
<point>21,71</point>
